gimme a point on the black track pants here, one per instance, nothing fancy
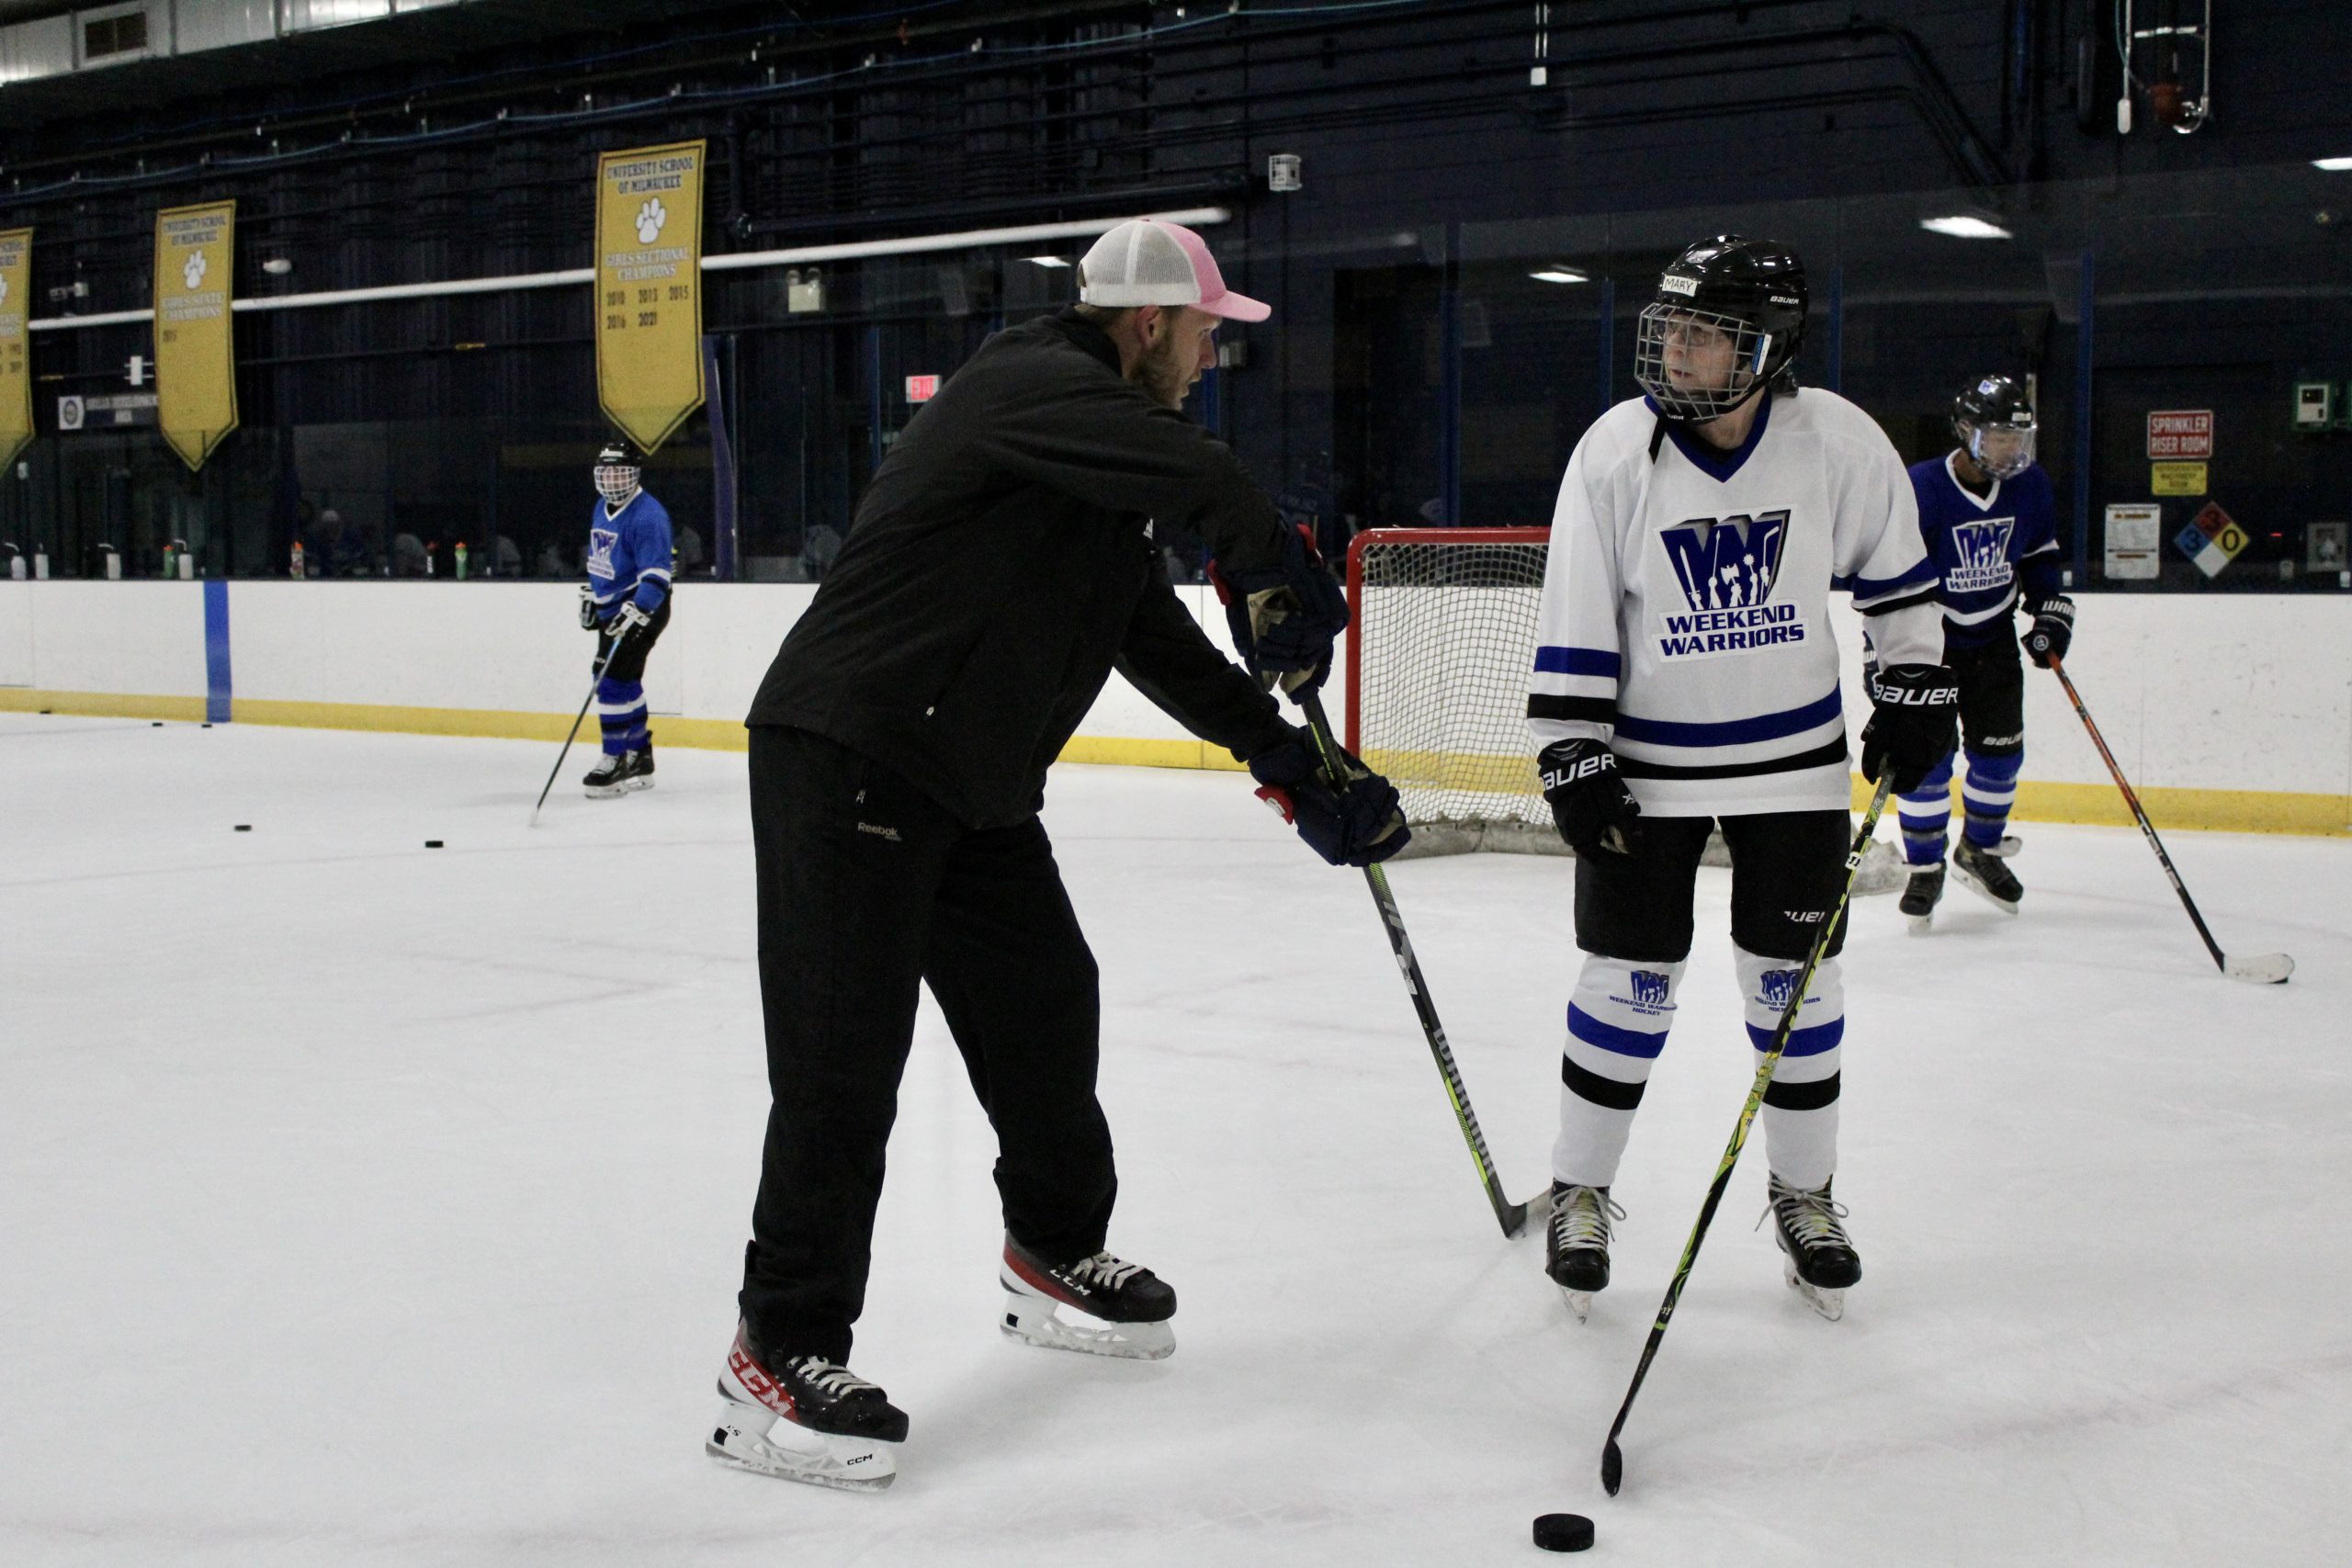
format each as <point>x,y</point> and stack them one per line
<point>866,888</point>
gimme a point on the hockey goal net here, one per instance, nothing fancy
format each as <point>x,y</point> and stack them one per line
<point>1438,653</point>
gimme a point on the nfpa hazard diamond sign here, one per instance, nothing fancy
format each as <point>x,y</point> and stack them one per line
<point>2211,540</point>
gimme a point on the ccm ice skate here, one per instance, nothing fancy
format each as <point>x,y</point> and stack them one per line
<point>1985,873</point>
<point>1125,1306</point>
<point>1920,898</point>
<point>1576,1244</point>
<point>618,775</point>
<point>804,1418</point>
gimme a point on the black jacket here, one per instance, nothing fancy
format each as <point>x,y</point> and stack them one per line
<point>1001,564</point>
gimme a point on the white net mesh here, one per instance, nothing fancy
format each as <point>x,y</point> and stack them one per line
<point>1443,642</point>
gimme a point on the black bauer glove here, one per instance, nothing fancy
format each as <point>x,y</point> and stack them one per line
<point>1284,616</point>
<point>1595,811</point>
<point>2052,632</point>
<point>1914,725</point>
<point>1361,824</point>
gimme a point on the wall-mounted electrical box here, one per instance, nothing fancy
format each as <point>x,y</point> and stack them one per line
<point>2315,405</point>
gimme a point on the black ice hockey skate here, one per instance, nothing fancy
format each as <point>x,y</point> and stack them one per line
<point>804,1418</point>
<point>1820,1261</point>
<point>1576,1244</point>
<point>1921,896</point>
<point>618,775</point>
<point>1985,873</point>
<point>1129,1304</point>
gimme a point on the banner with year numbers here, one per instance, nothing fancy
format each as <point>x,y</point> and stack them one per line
<point>649,288</point>
<point>196,356</point>
<point>16,342</point>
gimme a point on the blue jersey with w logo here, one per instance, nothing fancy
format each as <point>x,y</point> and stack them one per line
<point>1987,548</point>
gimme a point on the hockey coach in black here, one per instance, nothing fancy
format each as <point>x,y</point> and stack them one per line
<point>1000,565</point>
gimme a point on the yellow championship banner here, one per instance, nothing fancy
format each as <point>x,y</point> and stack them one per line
<point>16,342</point>
<point>649,289</point>
<point>196,358</point>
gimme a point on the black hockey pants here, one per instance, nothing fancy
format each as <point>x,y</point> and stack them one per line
<point>866,888</point>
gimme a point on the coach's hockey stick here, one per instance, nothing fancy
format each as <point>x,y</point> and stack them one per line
<point>1612,1458</point>
<point>1512,1217</point>
<point>602,666</point>
<point>2261,968</point>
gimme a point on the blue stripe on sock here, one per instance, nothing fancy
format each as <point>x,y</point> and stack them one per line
<point>1810,1042</point>
<point>1608,1037</point>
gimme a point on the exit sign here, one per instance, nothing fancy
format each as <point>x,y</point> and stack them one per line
<point>921,389</point>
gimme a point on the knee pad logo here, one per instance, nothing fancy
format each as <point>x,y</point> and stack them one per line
<point>1775,987</point>
<point>1649,988</point>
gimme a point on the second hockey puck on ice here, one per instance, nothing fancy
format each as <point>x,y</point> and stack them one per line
<point>1563,1532</point>
<point>431,843</point>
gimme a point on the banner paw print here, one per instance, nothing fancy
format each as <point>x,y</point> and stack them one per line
<point>649,220</point>
<point>192,270</point>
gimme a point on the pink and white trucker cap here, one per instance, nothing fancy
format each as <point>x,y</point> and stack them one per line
<point>1147,262</point>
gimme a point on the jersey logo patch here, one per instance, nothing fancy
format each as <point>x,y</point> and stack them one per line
<point>1982,549</point>
<point>1775,987</point>
<point>1649,988</point>
<point>1726,567</point>
<point>600,551</point>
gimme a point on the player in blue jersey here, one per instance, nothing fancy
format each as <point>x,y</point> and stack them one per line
<point>626,602</point>
<point>1990,522</point>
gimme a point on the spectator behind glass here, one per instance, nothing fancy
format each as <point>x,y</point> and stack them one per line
<point>408,555</point>
<point>687,549</point>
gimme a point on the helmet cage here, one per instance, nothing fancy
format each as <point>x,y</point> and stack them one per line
<point>616,474</point>
<point>1972,433</point>
<point>1754,361</point>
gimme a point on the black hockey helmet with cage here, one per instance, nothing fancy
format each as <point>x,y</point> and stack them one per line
<point>1996,403</point>
<point>1752,291</point>
<point>616,471</point>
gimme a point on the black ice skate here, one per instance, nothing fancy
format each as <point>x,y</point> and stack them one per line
<point>1127,1305</point>
<point>804,1418</point>
<point>1576,1245</point>
<point>1925,892</point>
<point>1984,873</point>
<point>1820,1259</point>
<point>618,775</point>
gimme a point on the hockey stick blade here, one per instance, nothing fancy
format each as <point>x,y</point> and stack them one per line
<point>2260,968</point>
<point>1613,1468</point>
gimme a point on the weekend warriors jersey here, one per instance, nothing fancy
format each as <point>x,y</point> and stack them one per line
<point>628,554</point>
<point>1685,619</point>
<point>1985,547</point>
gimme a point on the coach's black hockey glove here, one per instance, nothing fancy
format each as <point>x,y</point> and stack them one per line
<point>1360,824</point>
<point>1595,811</point>
<point>1284,616</point>
<point>588,622</point>
<point>1914,724</point>
<point>2052,632</point>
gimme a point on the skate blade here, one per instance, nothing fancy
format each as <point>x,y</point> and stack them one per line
<point>1034,1321</point>
<point>1960,876</point>
<point>1579,1303</point>
<point>1921,924</point>
<point>845,1464</point>
<point>1831,1303</point>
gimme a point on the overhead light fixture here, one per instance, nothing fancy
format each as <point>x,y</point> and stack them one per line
<point>2333,166</point>
<point>1964,226</point>
<point>1046,261</point>
<point>278,266</point>
<point>1559,275</point>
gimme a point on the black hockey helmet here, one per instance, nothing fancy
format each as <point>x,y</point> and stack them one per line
<point>1752,292</point>
<point>616,471</point>
<point>1993,419</point>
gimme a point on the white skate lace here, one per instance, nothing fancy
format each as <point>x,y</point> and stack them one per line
<point>832,1381</point>
<point>1581,1218</point>
<point>1811,1217</point>
<point>1103,1269</point>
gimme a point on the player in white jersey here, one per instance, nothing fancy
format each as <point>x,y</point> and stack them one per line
<point>1685,673</point>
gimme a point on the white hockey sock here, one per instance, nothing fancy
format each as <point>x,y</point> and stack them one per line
<point>1801,1105</point>
<point>1618,1020</point>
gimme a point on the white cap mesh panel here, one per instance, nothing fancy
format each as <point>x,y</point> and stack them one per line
<point>1138,262</point>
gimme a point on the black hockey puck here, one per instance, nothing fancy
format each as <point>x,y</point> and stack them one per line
<point>1563,1532</point>
<point>245,826</point>
<point>208,724</point>
<point>155,724</point>
<point>431,843</point>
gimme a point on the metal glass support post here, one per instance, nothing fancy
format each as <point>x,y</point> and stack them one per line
<point>2086,292</point>
<point>1837,373</point>
<point>1449,372</point>
<point>722,464</point>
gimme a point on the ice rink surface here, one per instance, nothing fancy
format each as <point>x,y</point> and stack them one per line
<point>364,1203</point>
